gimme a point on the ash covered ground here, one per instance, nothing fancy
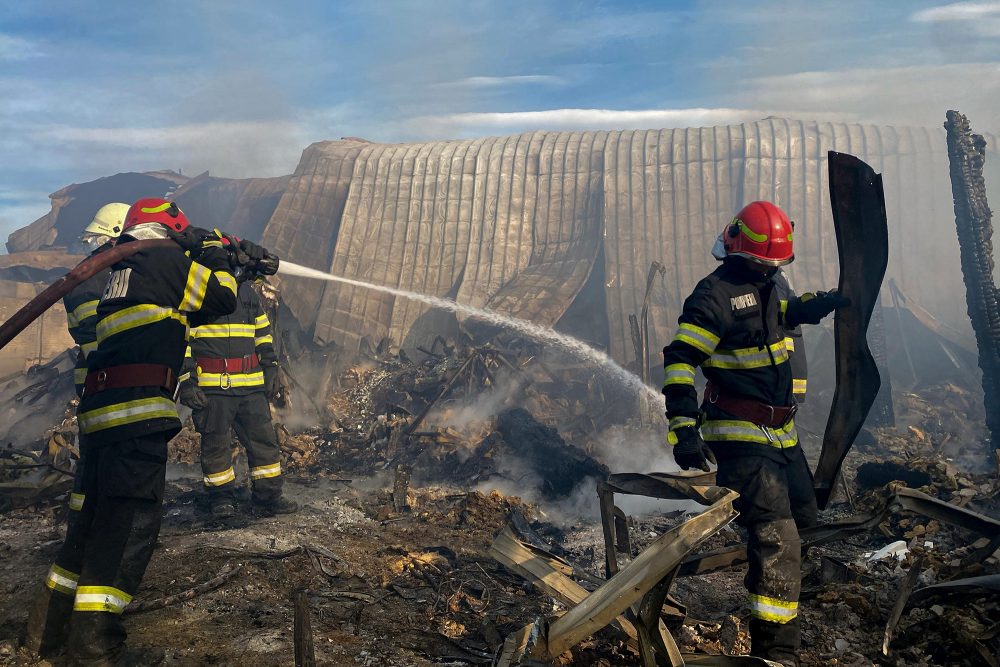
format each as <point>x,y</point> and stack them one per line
<point>407,469</point>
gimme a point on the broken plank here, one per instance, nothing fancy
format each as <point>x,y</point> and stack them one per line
<point>635,580</point>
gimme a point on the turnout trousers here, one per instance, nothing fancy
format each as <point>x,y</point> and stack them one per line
<point>114,522</point>
<point>250,417</point>
<point>776,499</point>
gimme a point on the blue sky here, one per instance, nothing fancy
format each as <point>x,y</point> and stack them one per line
<point>240,88</point>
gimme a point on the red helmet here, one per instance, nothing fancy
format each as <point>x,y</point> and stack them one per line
<point>762,233</point>
<point>155,210</point>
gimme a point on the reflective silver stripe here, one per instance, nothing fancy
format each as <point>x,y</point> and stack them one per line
<point>720,429</point>
<point>119,414</point>
<point>136,316</point>
<point>773,609</point>
<point>261,472</point>
<point>682,422</point>
<point>678,374</point>
<point>226,280</point>
<point>61,580</point>
<point>101,598</point>
<point>194,288</point>
<point>729,430</point>
<point>263,339</point>
<point>85,310</point>
<point>231,380</point>
<point>220,478</point>
<point>750,357</point>
<point>224,331</point>
<point>697,337</point>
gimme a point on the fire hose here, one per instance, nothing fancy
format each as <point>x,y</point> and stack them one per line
<point>93,265</point>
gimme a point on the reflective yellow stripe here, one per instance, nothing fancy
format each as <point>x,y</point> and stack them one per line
<point>87,348</point>
<point>736,430</point>
<point>671,438</point>
<point>750,234</point>
<point>678,374</point>
<point>220,478</point>
<point>682,422</point>
<point>194,288</point>
<point>789,343</point>
<point>80,375</point>
<point>76,501</point>
<point>226,280</point>
<point>85,310</point>
<point>798,386</point>
<point>263,339</point>
<point>224,331</point>
<point>261,321</point>
<point>698,338</point>
<point>61,580</point>
<point>773,609</point>
<point>232,380</point>
<point>101,598</point>
<point>128,412</point>
<point>184,377</point>
<point>748,357</point>
<point>157,209</point>
<point>135,316</point>
<point>783,306</point>
<point>261,472</point>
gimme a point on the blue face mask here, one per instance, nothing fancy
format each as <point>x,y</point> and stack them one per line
<point>719,249</point>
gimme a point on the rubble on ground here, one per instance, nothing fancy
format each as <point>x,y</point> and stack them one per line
<point>398,465</point>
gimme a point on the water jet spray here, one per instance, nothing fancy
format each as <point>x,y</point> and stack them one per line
<point>568,343</point>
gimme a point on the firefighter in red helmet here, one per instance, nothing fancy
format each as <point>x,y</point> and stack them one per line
<point>126,416</point>
<point>734,326</point>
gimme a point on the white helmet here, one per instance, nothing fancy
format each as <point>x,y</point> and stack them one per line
<point>108,222</point>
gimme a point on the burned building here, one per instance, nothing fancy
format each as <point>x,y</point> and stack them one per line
<point>555,227</point>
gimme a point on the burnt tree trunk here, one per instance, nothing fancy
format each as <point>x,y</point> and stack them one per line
<point>967,154</point>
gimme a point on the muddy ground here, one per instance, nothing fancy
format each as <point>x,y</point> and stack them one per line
<point>397,587</point>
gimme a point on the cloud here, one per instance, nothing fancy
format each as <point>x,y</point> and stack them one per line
<point>471,124</point>
<point>981,19</point>
<point>504,81</point>
<point>959,11</point>
<point>915,95</point>
<point>235,149</point>
<point>14,48</point>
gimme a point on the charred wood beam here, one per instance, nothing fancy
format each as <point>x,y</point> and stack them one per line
<point>973,220</point>
<point>859,220</point>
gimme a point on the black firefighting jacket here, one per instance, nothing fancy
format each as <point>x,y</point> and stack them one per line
<point>244,332</point>
<point>733,327</point>
<point>144,315</point>
<point>793,341</point>
<point>81,316</point>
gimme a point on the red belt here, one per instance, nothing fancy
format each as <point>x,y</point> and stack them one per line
<point>234,365</point>
<point>750,410</point>
<point>130,375</point>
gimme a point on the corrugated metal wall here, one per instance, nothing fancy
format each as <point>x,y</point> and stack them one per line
<point>515,223</point>
<point>510,223</point>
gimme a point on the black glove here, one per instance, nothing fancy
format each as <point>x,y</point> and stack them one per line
<point>272,385</point>
<point>690,451</point>
<point>193,239</point>
<point>811,308</point>
<point>192,396</point>
<point>254,252</point>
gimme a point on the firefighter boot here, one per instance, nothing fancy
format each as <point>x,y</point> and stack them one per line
<point>222,503</point>
<point>274,506</point>
<point>48,623</point>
